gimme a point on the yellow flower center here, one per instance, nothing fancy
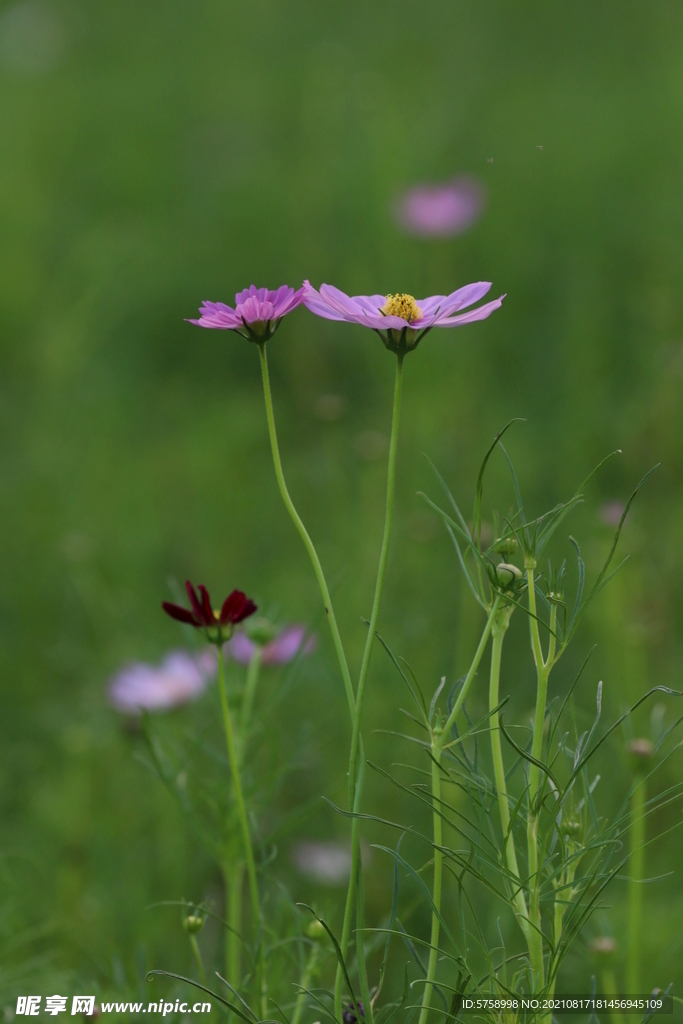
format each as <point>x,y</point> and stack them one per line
<point>404,306</point>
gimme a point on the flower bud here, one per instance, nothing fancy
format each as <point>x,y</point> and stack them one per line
<point>260,631</point>
<point>505,546</point>
<point>507,574</point>
<point>316,930</point>
<point>571,829</point>
<point>193,923</point>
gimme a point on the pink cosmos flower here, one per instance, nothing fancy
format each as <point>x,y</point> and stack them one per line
<point>400,320</point>
<point>257,313</point>
<point>433,211</point>
<point>282,649</point>
<point>180,678</point>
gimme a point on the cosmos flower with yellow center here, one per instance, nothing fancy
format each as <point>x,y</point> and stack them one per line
<point>401,320</point>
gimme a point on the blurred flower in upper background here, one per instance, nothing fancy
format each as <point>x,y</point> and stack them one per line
<point>277,649</point>
<point>32,39</point>
<point>611,512</point>
<point>178,679</point>
<point>438,211</point>
<point>257,313</point>
<point>328,863</point>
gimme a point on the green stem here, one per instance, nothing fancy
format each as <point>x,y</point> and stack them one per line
<point>308,543</point>
<point>360,948</point>
<point>509,851</point>
<point>438,740</point>
<point>436,892</point>
<point>609,985</point>
<point>355,772</point>
<point>250,689</point>
<point>635,886</point>
<point>379,584</point>
<point>535,937</point>
<point>198,958</point>
<point>533,621</point>
<point>470,675</point>
<point>239,796</point>
<point>234,878</point>
<point>264,977</point>
<point>566,894</point>
<point>352,890</point>
<point>306,979</point>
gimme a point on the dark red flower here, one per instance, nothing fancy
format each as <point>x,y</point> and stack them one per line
<point>236,607</point>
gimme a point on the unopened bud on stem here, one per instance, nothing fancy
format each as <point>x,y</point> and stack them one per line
<point>505,546</point>
<point>507,574</point>
<point>193,923</point>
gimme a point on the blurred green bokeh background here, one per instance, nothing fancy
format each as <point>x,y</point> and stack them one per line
<point>158,154</point>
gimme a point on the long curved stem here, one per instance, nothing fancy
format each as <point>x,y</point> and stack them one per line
<point>509,852</point>
<point>436,892</point>
<point>635,886</point>
<point>535,937</point>
<point>239,795</point>
<point>234,878</point>
<point>355,890</point>
<point>352,890</point>
<point>303,533</point>
<point>379,583</point>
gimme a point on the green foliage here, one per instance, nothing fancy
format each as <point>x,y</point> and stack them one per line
<point>176,153</point>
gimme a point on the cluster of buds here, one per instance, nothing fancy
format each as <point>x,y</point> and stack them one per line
<point>507,575</point>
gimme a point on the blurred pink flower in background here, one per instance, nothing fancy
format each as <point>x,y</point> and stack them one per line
<point>438,211</point>
<point>611,512</point>
<point>328,863</point>
<point>278,651</point>
<point>178,679</point>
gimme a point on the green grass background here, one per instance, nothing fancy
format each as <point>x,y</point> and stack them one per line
<point>169,152</point>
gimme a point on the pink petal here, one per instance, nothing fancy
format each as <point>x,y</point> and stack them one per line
<point>370,303</point>
<point>255,309</point>
<point>290,302</point>
<point>464,297</point>
<point>179,678</point>
<point>285,646</point>
<point>218,315</point>
<point>431,304</point>
<point>480,313</point>
<point>317,305</point>
<point>241,648</point>
<point>340,302</point>
<point>251,292</point>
